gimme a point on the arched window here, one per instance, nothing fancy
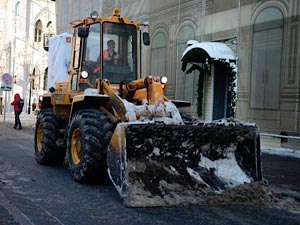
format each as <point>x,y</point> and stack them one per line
<point>17,17</point>
<point>185,85</point>
<point>47,35</point>
<point>158,55</point>
<point>266,59</point>
<point>17,13</point>
<point>49,26</point>
<point>38,31</point>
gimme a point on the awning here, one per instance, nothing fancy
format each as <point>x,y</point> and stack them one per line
<point>201,51</point>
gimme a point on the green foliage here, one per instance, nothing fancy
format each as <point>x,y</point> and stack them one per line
<point>231,95</point>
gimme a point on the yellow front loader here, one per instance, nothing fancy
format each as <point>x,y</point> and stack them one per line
<point>110,121</point>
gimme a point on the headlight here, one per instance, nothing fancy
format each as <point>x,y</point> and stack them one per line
<point>163,80</point>
<point>84,74</point>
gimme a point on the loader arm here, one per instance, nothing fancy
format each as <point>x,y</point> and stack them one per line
<point>149,89</point>
<point>115,101</point>
<point>153,90</point>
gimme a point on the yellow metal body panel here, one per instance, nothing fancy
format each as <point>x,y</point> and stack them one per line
<point>155,91</point>
<point>114,19</point>
<point>62,87</point>
<point>78,98</point>
<point>115,101</point>
<point>76,146</point>
<point>60,99</point>
<point>118,139</point>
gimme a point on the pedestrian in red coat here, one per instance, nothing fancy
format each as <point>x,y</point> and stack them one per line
<point>18,111</point>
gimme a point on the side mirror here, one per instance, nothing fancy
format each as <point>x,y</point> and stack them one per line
<point>83,32</point>
<point>146,38</point>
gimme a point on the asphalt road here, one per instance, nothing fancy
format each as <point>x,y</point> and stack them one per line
<point>31,194</point>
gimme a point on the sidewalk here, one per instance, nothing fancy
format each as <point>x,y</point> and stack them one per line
<point>281,151</point>
<point>27,120</point>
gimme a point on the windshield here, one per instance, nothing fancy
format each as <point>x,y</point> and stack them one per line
<point>91,60</point>
<point>119,52</point>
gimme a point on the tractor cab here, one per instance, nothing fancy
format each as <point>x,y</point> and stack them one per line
<point>105,48</point>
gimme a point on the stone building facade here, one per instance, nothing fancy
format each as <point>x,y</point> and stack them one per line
<point>269,67</point>
<point>27,25</point>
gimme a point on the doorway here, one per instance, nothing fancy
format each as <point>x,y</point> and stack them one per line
<point>220,86</point>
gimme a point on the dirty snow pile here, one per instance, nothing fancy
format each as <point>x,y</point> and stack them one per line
<point>227,169</point>
<point>258,194</point>
<point>165,112</point>
<point>229,122</point>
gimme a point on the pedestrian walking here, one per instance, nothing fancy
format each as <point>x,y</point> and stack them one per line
<point>18,107</point>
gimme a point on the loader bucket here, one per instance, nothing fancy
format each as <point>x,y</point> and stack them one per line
<point>161,165</point>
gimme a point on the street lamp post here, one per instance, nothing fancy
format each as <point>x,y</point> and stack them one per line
<point>29,101</point>
<point>31,78</point>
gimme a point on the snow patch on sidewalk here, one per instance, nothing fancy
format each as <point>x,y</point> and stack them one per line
<point>281,152</point>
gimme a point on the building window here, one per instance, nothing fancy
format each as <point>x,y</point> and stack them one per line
<point>38,31</point>
<point>266,59</point>
<point>47,35</point>
<point>17,13</point>
<point>185,85</point>
<point>18,18</point>
<point>158,55</point>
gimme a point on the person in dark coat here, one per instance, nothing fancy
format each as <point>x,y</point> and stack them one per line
<point>17,110</point>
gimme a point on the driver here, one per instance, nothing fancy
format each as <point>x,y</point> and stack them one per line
<point>109,54</point>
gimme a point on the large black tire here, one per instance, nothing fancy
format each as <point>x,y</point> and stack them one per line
<point>46,136</point>
<point>88,138</point>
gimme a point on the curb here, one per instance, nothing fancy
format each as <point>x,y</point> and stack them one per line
<point>287,152</point>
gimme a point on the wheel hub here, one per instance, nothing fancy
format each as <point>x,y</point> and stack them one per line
<point>76,146</point>
<point>39,137</point>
